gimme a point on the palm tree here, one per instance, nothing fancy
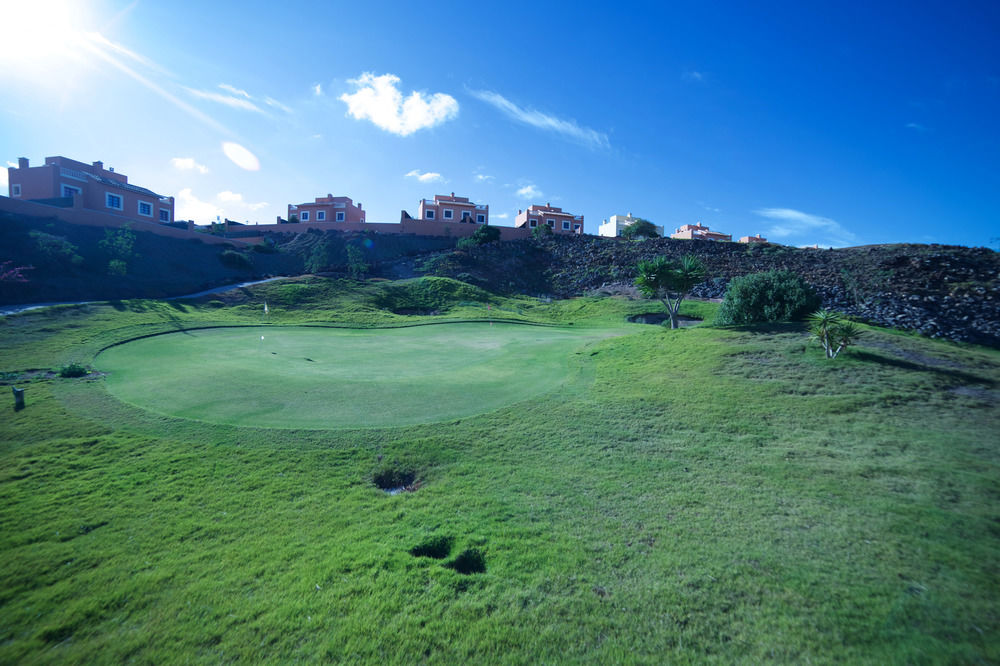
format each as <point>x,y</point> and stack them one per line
<point>670,281</point>
<point>832,331</point>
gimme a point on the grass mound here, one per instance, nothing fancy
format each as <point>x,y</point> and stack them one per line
<point>428,295</point>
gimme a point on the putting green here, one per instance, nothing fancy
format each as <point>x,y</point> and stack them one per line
<point>309,377</point>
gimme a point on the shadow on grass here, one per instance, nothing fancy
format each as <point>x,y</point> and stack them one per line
<point>957,375</point>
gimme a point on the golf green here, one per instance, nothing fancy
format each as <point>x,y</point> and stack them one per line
<point>315,377</point>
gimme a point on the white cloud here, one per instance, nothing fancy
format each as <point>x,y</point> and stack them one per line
<point>188,164</point>
<point>799,227</point>
<point>567,128</point>
<point>483,178</point>
<point>501,216</point>
<point>236,91</point>
<point>190,207</point>
<point>270,101</point>
<point>529,191</point>
<point>228,100</point>
<point>428,177</point>
<point>317,90</point>
<point>379,100</point>
<point>236,199</point>
<point>692,75</point>
<point>240,156</point>
<point>916,127</point>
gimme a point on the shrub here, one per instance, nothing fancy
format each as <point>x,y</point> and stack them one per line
<point>483,235</point>
<point>235,260</point>
<point>640,229</point>
<point>73,370</point>
<point>762,297</point>
<point>117,267</point>
<point>541,232</point>
<point>356,264</point>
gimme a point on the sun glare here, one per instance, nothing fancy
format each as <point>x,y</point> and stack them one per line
<point>39,33</point>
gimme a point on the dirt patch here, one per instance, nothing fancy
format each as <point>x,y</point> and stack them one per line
<point>395,480</point>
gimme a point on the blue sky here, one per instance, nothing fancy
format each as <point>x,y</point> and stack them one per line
<point>836,124</point>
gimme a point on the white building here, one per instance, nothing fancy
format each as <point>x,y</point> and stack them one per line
<point>613,227</point>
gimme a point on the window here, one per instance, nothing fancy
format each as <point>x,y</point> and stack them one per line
<point>304,216</point>
<point>551,223</point>
<point>340,217</point>
<point>429,214</point>
<point>532,223</point>
<point>447,213</point>
<point>145,209</point>
<point>15,190</point>
<point>320,215</point>
<point>70,191</point>
<point>164,215</point>
<point>576,227</point>
<point>565,225</point>
<point>112,201</point>
<point>480,218</point>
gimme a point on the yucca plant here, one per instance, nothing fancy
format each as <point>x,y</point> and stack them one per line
<point>833,332</point>
<point>669,281</point>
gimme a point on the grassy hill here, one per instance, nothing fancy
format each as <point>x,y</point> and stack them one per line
<point>683,496</point>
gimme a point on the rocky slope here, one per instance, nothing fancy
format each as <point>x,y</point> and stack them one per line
<point>941,291</point>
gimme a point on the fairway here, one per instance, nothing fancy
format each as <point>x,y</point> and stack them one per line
<point>315,377</point>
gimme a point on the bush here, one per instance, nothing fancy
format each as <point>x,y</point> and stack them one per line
<point>73,370</point>
<point>640,229</point>
<point>117,267</point>
<point>483,235</point>
<point>235,260</point>
<point>541,232</point>
<point>762,297</point>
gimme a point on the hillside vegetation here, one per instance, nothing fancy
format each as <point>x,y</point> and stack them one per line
<point>684,496</point>
<point>939,291</point>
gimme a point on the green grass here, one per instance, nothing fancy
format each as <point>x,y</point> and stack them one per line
<point>299,377</point>
<point>699,495</point>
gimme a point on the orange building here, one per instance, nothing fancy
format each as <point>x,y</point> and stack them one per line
<point>65,182</point>
<point>327,209</point>
<point>449,208</point>
<point>700,232</point>
<point>560,221</point>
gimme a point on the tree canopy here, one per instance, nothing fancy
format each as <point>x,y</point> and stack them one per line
<point>669,280</point>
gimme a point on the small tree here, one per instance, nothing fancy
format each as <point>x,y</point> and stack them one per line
<point>356,263</point>
<point>481,236</point>
<point>832,331</point>
<point>118,244</point>
<point>541,232</point>
<point>640,229</point>
<point>670,281</point>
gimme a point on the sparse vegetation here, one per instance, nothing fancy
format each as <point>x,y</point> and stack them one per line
<point>72,370</point>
